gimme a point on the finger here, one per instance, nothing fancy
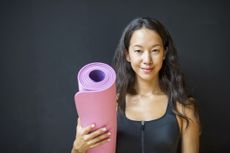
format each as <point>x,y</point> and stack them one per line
<point>99,138</point>
<point>87,129</point>
<point>78,121</point>
<point>96,133</point>
<point>100,143</point>
<point>79,124</point>
<point>78,128</point>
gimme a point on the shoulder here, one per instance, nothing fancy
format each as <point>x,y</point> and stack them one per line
<point>189,110</point>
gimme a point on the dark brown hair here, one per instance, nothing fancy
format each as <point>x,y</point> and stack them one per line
<point>171,77</point>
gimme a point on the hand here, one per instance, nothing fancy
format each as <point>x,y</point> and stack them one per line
<point>87,139</point>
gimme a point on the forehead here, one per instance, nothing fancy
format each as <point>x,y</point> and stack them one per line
<point>145,37</point>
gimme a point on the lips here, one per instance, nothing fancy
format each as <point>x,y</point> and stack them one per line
<point>147,70</point>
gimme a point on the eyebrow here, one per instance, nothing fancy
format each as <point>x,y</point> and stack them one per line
<point>151,47</point>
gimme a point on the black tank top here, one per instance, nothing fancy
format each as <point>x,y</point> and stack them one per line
<point>161,135</point>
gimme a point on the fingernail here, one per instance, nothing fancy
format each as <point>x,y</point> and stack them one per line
<point>93,125</point>
<point>109,133</point>
<point>104,129</point>
<point>109,139</point>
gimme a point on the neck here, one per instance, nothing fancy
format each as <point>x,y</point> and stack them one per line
<point>145,88</point>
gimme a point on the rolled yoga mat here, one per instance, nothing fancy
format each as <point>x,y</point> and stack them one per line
<point>96,101</point>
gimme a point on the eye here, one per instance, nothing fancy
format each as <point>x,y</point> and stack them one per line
<point>156,50</point>
<point>138,51</point>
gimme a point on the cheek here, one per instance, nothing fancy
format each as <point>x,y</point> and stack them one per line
<point>134,59</point>
<point>135,64</point>
<point>158,62</point>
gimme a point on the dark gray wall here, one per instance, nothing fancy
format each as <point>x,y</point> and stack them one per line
<point>44,44</point>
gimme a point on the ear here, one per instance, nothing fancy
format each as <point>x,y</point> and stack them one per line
<point>127,56</point>
<point>165,53</point>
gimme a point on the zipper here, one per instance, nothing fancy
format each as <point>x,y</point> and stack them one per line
<point>142,136</point>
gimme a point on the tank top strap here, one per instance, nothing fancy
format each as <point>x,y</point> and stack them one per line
<point>169,109</point>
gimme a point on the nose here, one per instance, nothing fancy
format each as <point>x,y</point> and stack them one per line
<point>147,59</point>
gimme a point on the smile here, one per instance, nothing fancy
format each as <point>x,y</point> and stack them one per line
<point>147,70</point>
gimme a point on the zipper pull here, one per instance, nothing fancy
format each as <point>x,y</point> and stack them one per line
<point>142,137</point>
<point>143,125</point>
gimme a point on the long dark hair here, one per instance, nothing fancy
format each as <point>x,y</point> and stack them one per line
<point>171,77</point>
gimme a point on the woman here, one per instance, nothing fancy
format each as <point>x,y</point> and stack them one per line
<point>155,112</point>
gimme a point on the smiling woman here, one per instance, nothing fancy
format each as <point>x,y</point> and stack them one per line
<point>155,111</point>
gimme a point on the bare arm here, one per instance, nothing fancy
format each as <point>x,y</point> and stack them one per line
<point>191,134</point>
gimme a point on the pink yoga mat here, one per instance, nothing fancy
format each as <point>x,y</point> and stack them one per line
<point>96,101</point>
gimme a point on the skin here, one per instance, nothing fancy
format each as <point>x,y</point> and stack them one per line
<point>87,139</point>
<point>146,55</point>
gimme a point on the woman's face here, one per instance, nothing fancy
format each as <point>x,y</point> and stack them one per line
<point>146,54</point>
